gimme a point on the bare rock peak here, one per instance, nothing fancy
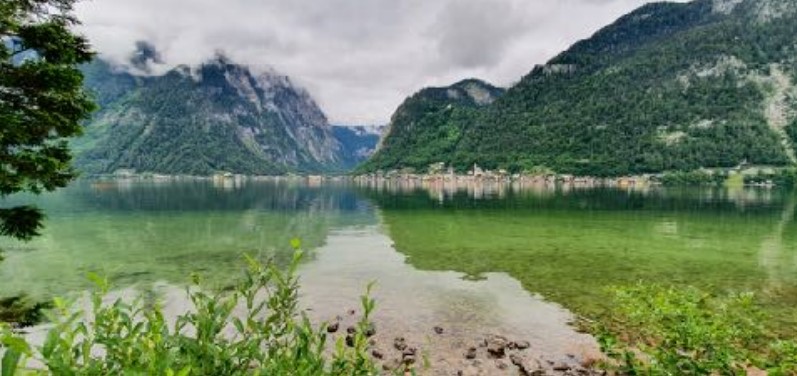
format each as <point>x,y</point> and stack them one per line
<point>725,6</point>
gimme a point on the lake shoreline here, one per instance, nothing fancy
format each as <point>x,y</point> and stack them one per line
<point>734,177</point>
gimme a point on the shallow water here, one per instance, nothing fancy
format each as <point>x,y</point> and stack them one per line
<point>467,258</point>
<point>411,302</point>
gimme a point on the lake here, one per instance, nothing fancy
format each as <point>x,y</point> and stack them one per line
<point>476,259</point>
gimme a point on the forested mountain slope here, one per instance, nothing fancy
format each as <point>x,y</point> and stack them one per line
<point>427,127</point>
<point>670,86</point>
<point>217,117</point>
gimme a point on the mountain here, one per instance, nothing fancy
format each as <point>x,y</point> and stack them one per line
<point>357,142</point>
<point>217,117</point>
<point>428,126</point>
<point>670,86</point>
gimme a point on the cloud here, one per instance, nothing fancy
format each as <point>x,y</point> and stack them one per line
<point>476,33</point>
<point>358,58</point>
<point>145,56</point>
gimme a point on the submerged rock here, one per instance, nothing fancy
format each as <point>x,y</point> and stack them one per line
<point>470,371</point>
<point>370,331</point>
<point>333,327</point>
<point>561,367</point>
<point>496,346</point>
<point>527,366</point>
<point>399,343</point>
<point>408,355</point>
<point>521,345</point>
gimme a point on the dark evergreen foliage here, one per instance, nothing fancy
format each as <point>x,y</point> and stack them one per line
<point>41,103</point>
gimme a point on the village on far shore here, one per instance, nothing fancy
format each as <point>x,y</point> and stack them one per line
<point>439,173</point>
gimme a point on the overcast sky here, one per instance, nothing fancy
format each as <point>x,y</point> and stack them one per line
<point>358,58</point>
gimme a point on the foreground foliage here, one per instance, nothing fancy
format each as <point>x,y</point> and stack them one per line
<point>41,103</point>
<point>255,329</point>
<point>684,331</point>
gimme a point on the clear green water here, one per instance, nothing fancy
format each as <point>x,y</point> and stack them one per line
<point>568,246</point>
<point>572,246</point>
<point>144,232</point>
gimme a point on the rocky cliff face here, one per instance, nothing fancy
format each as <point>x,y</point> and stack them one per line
<point>358,142</point>
<point>217,117</point>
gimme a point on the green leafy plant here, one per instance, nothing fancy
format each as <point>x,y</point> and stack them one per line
<point>254,329</point>
<point>783,359</point>
<point>683,331</point>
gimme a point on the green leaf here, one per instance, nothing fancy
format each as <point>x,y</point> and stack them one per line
<point>100,282</point>
<point>16,344</point>
<point>296,243</point>
<point>50,343</point>
<point>10,362</point>
<point>60,303</point>
<point>238,325</point>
